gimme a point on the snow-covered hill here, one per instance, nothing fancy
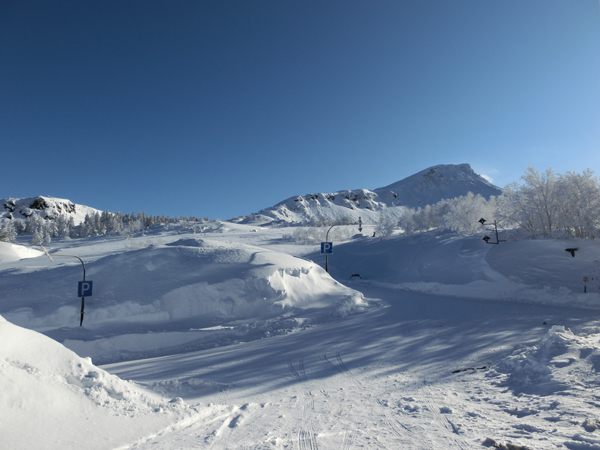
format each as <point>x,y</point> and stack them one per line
<point>44,207</point>
<point>423,188</point>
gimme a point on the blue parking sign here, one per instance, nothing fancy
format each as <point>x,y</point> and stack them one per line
<point>84,289</point>
<point>326,247</point>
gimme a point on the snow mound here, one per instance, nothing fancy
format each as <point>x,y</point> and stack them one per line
<point>187,243</point>
<point>51,398</point>
<point>13,252</point>
<point>166,295</point>
<point>560,358</point>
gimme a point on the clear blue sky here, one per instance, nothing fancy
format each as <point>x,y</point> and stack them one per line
<point>221,108</point>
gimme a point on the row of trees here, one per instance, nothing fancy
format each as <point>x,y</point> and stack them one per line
<point>544,204</point>
<point>43,230</point>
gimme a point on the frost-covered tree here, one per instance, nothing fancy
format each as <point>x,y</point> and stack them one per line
<point>463,213</point>
<point>579,205</point>
<point>31,223</point>
<point>38,236</point>
<point>385,224</point>
<point>533,205</point>
<point>132,228</point>
<point>62,226</point>
<point>8,233</point>
<point>50,228</point>
<point>460,214</point>
<point>47,233</point>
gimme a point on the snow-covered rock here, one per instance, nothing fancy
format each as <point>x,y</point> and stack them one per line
<point>44,207</point>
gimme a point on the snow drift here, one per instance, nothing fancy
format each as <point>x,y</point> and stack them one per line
<point>13,252</point>
<point>52,398</point>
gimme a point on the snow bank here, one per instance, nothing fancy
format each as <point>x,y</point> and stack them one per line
<point>13,252</point>
<point>53,399</point>
<point>561,358</point>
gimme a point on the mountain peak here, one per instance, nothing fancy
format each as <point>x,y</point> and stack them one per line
<point>439,182</point>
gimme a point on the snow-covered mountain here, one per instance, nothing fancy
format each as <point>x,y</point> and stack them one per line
<point>437,183</point>
<point>44,207</point>
<point>423,188</point>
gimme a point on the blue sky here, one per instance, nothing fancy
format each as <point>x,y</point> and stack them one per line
<point>222,108</point>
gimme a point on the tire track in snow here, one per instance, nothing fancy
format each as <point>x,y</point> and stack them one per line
<point>307,439</point>
<point>348,439</point>
<point>441,420</point>
<point>299,374</point>
<point>409,438</point>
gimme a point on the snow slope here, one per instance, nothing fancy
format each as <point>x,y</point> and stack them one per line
<point>532,271</point>
<point>444,342</point>
<point>423,188</point>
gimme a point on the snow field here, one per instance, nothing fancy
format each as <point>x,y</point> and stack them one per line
<point>240,340</point>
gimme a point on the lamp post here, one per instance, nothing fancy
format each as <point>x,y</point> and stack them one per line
<point>327,240</point>
<point>487,238</point>
<point>83,265</point>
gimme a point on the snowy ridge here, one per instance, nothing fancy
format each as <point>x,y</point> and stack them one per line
<point>44,207</point>
<point>423,188</point>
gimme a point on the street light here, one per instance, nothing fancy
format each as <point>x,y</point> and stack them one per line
<point>327,240</point>
<point>81,260</point>
<point>487,239</point>
<point>330,246</point>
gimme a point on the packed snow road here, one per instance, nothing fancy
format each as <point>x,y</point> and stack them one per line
<point>388,378</point>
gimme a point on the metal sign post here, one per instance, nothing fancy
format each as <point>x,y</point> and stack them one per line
<point>327,248</point>
<point>84,287</point>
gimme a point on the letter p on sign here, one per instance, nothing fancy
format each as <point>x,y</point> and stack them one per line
<point>84,289</point>
<point>326,247</point>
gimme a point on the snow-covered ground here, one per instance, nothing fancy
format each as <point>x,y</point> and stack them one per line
<point>238,339</point>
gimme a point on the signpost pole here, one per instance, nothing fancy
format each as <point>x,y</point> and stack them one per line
<point>83,288</point>
<point>327,240</point>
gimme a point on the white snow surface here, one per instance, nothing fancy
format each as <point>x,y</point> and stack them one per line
<point>13,252</point>
<point>237,338</point>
